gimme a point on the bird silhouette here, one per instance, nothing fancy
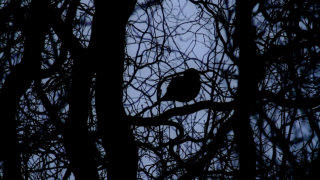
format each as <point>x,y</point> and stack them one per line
<point>183,88</point>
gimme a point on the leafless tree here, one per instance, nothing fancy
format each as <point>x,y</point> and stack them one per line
<point>82,85</point>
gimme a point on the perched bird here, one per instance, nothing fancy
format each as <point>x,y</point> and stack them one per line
<point>183,88</point>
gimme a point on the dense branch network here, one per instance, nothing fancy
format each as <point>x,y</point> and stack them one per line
<point>189,130</point>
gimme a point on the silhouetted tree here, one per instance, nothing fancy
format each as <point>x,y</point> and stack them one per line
<point>159,89</point>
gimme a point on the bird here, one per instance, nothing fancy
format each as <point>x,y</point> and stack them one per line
<point>183,88</point>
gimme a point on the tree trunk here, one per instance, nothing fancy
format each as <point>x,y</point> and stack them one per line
<point>80,147</point>
<point>17,83</point>
<point>113,124</point>
<point>247,92</point>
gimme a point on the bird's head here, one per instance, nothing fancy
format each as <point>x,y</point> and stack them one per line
<point>192,73</point>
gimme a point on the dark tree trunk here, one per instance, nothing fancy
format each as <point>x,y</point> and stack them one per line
<point>113,124</point>
<point>17,83</point>
<point>79,146</point>
<point>247,91</point>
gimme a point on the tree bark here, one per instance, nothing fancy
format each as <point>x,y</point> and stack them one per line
<point>113,125</point>
<point>80,147</point>
<point>17,83</point>
<point>247,91</point>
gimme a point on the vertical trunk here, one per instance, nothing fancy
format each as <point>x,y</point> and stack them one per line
<point>247,91</point>
<point>113,125</point>
<point>79,146</point>
<point>17,83</point>
<point>9,150</point>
